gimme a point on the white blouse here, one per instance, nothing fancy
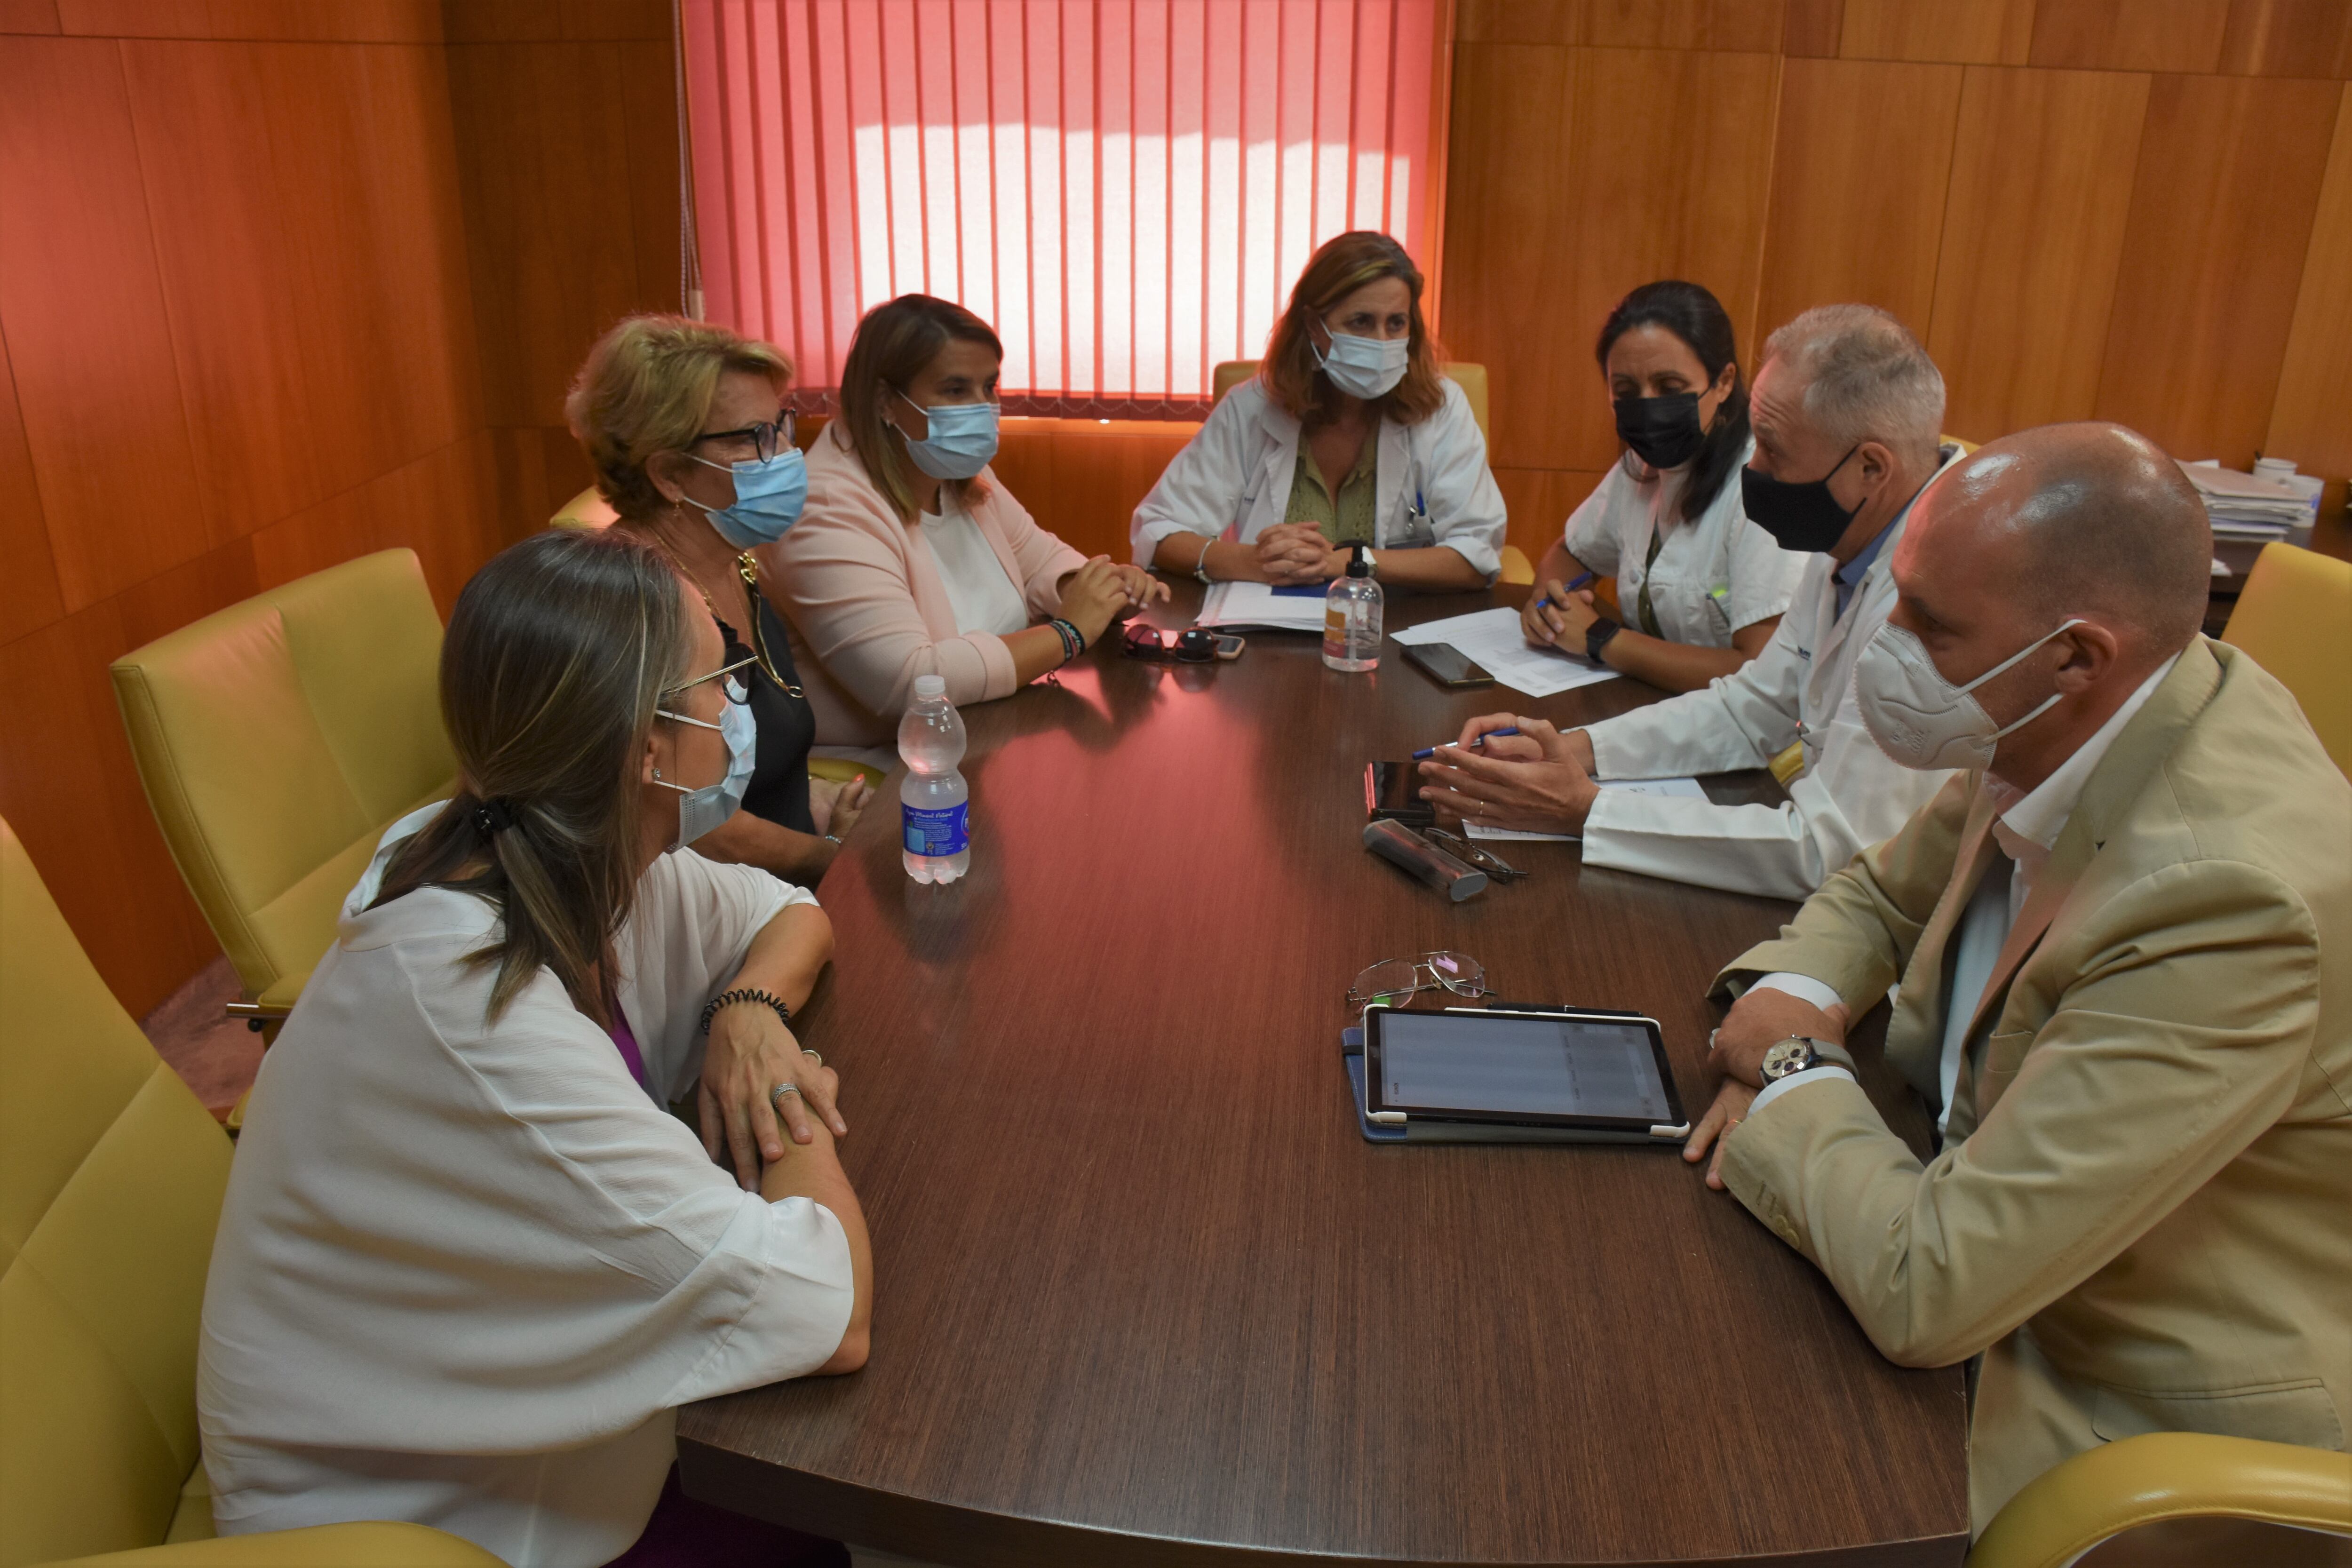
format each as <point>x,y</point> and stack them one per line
<point>1710,578</point>
<point>979,590</point>
<point>466,1272</point>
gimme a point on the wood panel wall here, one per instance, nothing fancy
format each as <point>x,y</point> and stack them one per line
<point>2127,209</point>
<point>282,282</point>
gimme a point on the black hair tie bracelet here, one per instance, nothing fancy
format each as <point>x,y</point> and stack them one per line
<point>745,993</point>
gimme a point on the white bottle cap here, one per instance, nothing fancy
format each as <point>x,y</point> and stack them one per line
<point>930,686</point>
<point>2274,468</point>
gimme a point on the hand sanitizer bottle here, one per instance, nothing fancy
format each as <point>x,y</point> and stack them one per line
<point>1351,618</point>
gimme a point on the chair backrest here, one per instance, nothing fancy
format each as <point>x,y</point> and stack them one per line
<point>1470,378</point>
<point>2294,619</point>
<point>277,740</point>
<point>111,1183</point>
<point>589,509</point>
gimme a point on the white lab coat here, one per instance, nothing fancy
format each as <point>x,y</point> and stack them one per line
<point>466,1272</point>
<point>1713,575</point>
<point>1233,479</point>
<point>1850,796</point>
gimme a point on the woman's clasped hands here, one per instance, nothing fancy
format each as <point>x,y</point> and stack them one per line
<point>750,1057</point>
<point>1103,591</point>
<point>1292,552</point>
<point>1556,617</point>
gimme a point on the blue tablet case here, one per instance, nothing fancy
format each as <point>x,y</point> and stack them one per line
<point>1352,1048</point>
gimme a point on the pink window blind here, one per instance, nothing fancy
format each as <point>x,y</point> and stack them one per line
<point>1125,189</point>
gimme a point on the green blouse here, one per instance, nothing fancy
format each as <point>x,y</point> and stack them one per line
<point>1347,516</point>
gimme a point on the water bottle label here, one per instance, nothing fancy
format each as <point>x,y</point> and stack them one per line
<point>936,832</point>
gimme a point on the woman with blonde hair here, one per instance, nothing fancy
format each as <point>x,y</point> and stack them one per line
<point>692,443</point>
<point>1350,436</point>
<point>469,1264</point>
<point>914,559</point>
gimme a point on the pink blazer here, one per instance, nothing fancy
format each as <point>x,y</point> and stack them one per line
<point>867,609</point>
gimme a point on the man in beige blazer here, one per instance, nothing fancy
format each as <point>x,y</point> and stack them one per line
<point>2112,935</point>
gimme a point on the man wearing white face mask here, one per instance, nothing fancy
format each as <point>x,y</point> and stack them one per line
<point>1349,434</point>
<point>1845,413</point>
<point>2111,932</point>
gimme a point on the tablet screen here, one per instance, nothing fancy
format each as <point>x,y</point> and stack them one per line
<point>1521,1066</point>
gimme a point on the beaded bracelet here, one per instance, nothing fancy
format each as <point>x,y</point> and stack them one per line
<point>745,993</point>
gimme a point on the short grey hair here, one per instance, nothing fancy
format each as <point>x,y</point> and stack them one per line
<point>1867,378</point>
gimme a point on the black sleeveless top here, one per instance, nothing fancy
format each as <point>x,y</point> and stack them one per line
<point>778,791</point>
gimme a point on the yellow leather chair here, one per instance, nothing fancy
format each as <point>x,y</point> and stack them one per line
<point>589,509</point>
<point>110,1183</point>
<point>1470,378</point>
<point>277,740</point>
<point>2162,1475</point>
<point>2294,619</point>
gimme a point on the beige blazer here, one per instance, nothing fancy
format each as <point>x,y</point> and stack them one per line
<point>869,612</point>
<point>2142,1216</point>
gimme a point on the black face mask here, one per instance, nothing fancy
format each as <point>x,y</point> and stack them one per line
<point>1801,517</point>
<point>1662,431</point>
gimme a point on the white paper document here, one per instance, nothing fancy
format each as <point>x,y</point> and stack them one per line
<point>1630,786</point>
<point>1257,604</point>
<point>1492,639</point>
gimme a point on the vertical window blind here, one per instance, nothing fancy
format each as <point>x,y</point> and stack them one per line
<point>1125,189</point>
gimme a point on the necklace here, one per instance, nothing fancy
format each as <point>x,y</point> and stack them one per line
<point>749,571</point>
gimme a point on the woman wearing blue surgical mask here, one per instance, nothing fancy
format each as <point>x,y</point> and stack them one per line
<point>469,1264</point>
<point>1348,436</point>
<point>1700,587</point>
<point>692,440</point>
<point>914,558</point>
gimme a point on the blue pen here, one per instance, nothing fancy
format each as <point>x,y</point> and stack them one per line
<point>1582,578</point>
<point>1426,752</point>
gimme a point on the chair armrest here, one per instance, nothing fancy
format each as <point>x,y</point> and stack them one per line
<point>275,1002</point>
<point>2120,1486</point>
<point>322,1546</point>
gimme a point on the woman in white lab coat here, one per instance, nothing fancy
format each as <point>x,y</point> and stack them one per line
<point>1700,588</point>
<point>469,1264</point>
<point>1349,434</point>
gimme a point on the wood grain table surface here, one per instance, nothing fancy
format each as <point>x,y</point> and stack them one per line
<point>1144,1295</point>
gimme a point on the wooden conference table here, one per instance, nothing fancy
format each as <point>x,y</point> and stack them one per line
<point>1143,1293</point>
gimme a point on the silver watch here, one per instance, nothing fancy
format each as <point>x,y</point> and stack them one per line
<point>1792,1055</point>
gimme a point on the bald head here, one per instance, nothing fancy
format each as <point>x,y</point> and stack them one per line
<point>2091,519</point>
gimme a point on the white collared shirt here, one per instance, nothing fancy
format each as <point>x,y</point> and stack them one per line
<point>2026,830</point>
<point>468,1269</point>
<point>1712,575</point>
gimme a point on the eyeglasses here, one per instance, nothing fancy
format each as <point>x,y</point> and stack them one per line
<point>1392,979</point>
<point>736,692</point>
<point>767,439</point>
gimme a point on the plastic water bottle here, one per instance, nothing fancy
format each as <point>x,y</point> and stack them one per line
<point>1351,618</point>
<point>933,799</point>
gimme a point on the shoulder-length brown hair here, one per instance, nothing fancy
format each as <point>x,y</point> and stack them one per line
<point>1346,263</point>
<point>891,346</point>
<point>557,654</point>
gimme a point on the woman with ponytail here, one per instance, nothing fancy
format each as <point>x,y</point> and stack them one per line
<point>1700,587</point>
<point>469,1265</point>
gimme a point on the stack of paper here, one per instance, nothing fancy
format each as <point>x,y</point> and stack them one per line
<point>1688,787</point>
<point>2246,506</point>
<point>1492,639</point>
<point>1262,606</point>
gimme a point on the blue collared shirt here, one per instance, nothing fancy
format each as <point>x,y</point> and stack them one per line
<point>1848,577</point>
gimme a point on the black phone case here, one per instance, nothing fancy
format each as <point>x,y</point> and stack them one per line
<point>1414,656</point>
<point>1388,795</point>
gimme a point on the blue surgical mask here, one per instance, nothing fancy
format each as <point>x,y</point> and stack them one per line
<point>1364,367</point>
<point>962,438</point>
<point>700,810</point>
<point>768,498</point>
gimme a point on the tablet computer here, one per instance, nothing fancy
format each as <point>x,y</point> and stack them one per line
<point>1598,1073</point>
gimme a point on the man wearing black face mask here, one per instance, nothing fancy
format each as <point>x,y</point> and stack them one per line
<point>1845,411</point>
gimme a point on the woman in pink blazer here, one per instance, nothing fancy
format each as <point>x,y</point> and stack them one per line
<point>911,558</point>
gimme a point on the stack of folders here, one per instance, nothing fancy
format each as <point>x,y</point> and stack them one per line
<point>2252,506</point>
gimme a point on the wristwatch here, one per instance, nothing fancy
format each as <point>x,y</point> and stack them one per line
<point>1597,637</point>
<point>1793,1056</point>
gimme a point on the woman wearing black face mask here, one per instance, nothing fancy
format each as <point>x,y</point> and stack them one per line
<point>1701,587</point>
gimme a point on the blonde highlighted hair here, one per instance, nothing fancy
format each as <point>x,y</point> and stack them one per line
<point>646,388</point>
<point>1292,375</point>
